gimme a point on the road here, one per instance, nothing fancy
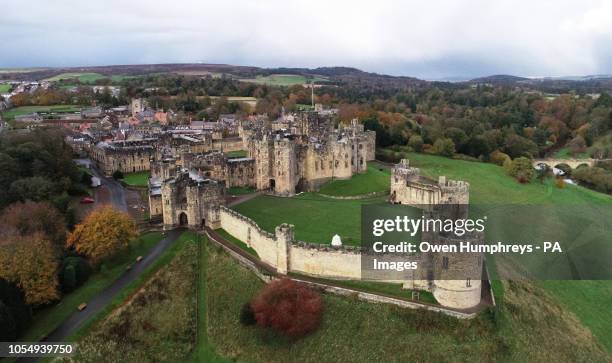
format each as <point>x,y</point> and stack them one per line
<point>115,188</point>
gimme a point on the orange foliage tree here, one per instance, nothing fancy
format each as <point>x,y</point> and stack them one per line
<point>31,262</point>
<point>288,307</point>
<point>105,232</point>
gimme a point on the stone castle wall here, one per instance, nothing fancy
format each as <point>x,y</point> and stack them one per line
<point>281,251</point>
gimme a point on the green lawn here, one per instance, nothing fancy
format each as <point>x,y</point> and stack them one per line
<point>47,319</point>
<point>283,79</point>
<point>374,180</point>
<point>591,301</point>
<point>366,332</point>
<point>4,88</point>
<point>137,179</point>
<point>237,154</point>
<point>240,190</point>
<point>24,110</point>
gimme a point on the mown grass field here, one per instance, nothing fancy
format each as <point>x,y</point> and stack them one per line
<point>4,88</point>
<point>374,180</point>
<point>137,179</point>
<point>47,319</point>
<point>24,110</point>
<point>157,322</point>
<point>283,79</point>
<point>533,329</point>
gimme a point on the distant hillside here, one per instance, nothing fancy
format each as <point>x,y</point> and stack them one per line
<point>499,78</point>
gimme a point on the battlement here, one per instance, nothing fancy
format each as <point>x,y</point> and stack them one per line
<point>409,187</point>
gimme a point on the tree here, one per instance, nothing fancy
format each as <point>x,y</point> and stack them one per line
<point>35,188</point>
<point>118,175</point>
<point>14,300</point>
<point>520,146</point>
<point>498,157</point>
<point>31,262</point>
<point>416,143</point>
<point>31,217</point>
<point>8,333</point>
<point>288,307</point>
<point>520,168</point>
<point>577,145</point>
<point>444,147</point>
<point>103,233</point>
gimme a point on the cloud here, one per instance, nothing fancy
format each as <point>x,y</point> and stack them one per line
<point>427,39</point>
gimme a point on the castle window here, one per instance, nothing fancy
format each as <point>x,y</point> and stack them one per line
<point>468,283</point>
<point>445,263</point>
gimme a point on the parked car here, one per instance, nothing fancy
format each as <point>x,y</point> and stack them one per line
<point>87,200</point>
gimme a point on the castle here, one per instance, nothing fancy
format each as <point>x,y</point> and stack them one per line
<point>300,153</point>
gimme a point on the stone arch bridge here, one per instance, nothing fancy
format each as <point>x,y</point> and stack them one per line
<point>572,163</point>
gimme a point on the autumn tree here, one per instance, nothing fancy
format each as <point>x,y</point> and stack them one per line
<point>520,168</point>
<point>104,232</point>
<point>444,147</point>
<point>288,307</point>
<point>31,262</point>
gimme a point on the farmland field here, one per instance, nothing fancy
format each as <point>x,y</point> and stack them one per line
<point>283,79</point>
<point>82,77</point>
<point>24,110</point>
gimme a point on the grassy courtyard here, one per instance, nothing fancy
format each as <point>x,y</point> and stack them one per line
<point>237,154</point>
<point>316,218</point>
<point>534,329</point>
<point>374,180</point>
<point>137,179</point>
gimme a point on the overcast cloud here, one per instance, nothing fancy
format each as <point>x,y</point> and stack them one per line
<point>428,39</point>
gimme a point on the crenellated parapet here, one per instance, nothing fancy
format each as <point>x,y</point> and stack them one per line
<point>409,187</point>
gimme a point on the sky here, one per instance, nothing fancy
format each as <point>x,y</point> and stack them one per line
<point>433,39</point>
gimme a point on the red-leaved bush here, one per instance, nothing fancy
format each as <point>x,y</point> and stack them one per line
<point>288,307</point>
